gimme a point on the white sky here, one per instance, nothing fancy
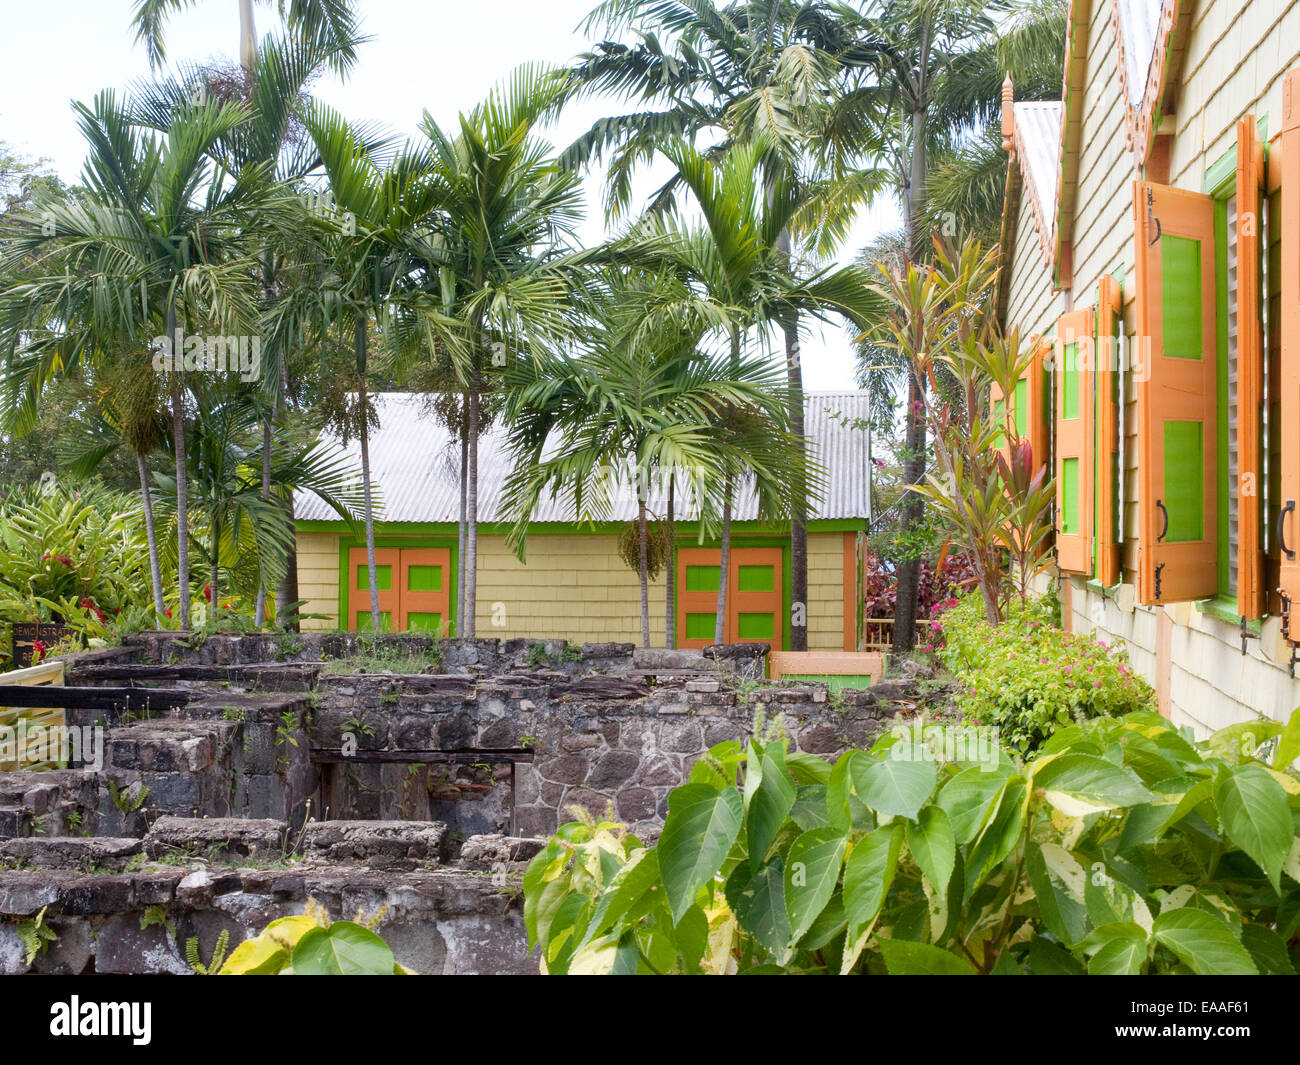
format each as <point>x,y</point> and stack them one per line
<point>443,55</point>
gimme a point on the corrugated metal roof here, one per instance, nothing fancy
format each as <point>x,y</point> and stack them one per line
<point>1038,128</point>
<point>415,463</point>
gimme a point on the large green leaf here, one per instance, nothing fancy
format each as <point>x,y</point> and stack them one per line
<point>757,898</point>
<point>921,959</point>
<point>812,869</point>
<point>1058,882</point>
<point>1288,743</point>
<point>931,843</point>
<point>1078,784</point>
<point>701,826</point>
<point>999,836</point>
<point>1255,816</point>
<point>768,808</point>
<point>1204,943</point>
<point>342,949</point>
<point>1116,949</point>
<point>968,799</point>
<point>868,874</point>
<point>897,782</point>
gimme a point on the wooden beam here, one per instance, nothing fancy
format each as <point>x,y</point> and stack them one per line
<point>69,697</point>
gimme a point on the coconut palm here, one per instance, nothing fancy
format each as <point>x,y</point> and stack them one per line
<point>939,66</point>
<point>739,275</point>
<point>158,249</point>
<point>499,273</point>
<point>330,24</point>
<point>772,69</point>
<point>638,406</point>
<point>274,87</point>
<point>357,268</point>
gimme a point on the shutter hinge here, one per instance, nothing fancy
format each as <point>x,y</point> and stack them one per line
<point>1246,634</point>
<point>1159,567</point>
<point>1151,214</point>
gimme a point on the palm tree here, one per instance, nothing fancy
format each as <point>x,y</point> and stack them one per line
<point>739,274</point>
<point>274,87</point>
<point>638,405</point>
<point>364,252</point>
<point>772,69</point>
<point>937,68</point>
<point>158,249</point>
<point>330,24</point>
<point>499,276</point>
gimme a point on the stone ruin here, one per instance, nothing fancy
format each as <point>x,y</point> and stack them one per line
<point>243,775</point>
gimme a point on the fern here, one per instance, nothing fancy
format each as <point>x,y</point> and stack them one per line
<point>35,935</point>
<point>156,915</point>
<point>218,954</point>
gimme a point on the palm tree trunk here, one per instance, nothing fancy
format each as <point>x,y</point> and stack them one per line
<point>260,614</point>
<point>724,566</point>
<point>182,486</point>
<point>247,36</point>
<point>913,508</point>
<point>462,528</point>
<point>643,565</point>
<point>670,575</point>
<point>471,507</point>
<point>214,580</point>
<point>799,516</point>
<point>155,565</point>
<point>286,592</point>
<point>360,334</point>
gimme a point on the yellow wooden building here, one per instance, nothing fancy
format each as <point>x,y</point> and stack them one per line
<point>573,583</point>
<point>1151,236</point>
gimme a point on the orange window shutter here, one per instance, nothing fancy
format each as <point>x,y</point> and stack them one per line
<point>424,591</point>
<point>1175,369</point>
<point>1037,408</point>
<point>1109,311</point>
<point>1073,362</point>
<point>1250,373</point>
<point>697,595</point>
<point>754,596</point>
<point>1288,521</point>
<point>386,573</point>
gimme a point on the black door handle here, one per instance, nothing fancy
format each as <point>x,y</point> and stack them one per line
<point>1163,510</point>
<point>1281,529</point>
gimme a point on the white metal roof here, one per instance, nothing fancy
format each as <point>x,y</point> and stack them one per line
<point>415,464</point>
<point>1038,131</point>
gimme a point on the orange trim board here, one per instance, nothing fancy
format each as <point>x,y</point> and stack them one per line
<point>1250,372</point>
<point>1288,521</point>
<point>1073,363</point>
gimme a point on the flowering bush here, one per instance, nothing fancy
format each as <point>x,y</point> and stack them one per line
<point>1028,678</point>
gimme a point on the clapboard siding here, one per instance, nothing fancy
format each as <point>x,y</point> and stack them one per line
<point>1032,305</point>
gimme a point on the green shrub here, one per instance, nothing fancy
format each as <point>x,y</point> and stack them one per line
<point>1123,848</point>
<point>73,555</point>
<point>1027,678</point>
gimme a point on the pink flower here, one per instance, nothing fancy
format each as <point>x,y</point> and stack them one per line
<point>935,626</point>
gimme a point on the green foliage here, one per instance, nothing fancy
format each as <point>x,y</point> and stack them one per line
<point>1027,678</point>
<point>310,944</point>
<point>213,965</point>
<point>35,936</point>
<point>71,554</point>
<point>157,915</point>
<point>129,799</point>
<point>1124,847</point>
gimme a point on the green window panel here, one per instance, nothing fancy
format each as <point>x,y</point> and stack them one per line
<point>836,682</point>
<point>756,627</point>
<point>1000,422</point>
<point>1070,382</point>
<point>383,574</point>
<point>1070,497</point>
<point>1022,408</point>
<point>702,578</point>
<point>1184,481</point>
<point>423,621</point>
<point>756,578</point>
<point>385,621</point>
<point>424,578</point>
<point>701,626</point>
<point>1180,296</point>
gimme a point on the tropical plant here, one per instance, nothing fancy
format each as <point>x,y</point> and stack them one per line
<point>771,71</point>
<point>933,90</point>
<point>310,944</point>
<point>157,252</point>
<point>995,496</point>
<point>641,407</point>
<point>499,273</point>
<point>1123,848</point>
<point>1027,678</point>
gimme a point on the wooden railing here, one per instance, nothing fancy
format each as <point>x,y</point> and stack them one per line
<point>14,752</point>
<point>878,634</point>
